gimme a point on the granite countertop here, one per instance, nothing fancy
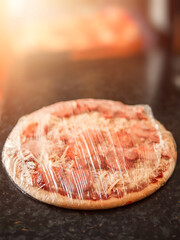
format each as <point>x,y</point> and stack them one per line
<point>45,80</point>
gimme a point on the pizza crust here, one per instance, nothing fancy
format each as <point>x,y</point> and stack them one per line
<point>65,202</point>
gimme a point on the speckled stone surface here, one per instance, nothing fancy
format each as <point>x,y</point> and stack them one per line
<point>43,81</point>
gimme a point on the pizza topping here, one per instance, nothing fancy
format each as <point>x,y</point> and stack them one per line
<point>85,144</point>
<point>56,180</point>
<point>94,162</point>
<point>63,110</point>
<point>121,138</point>
<point>67,139</point>
<point>129,112</point>
<point>154,138</point>
<point>147,153</point>
<point>112,186</point>
<point>39,179</point>
<point>79,107</point>
<point>58,151</point>
<point>121,159</point>
<point>140,113</point>
<point>48,178</point>
<point>46,129</point>
<point>142,132</point>
<point>159,173</point>
<point>85,107</point>
<point>131,154</point>
<point>32,148</point>
<point>78,181</point>
<point>30,131</point>
<point>93,136</point>
<point>57,175</point>
<point>31,163</point>
<point>122,111</point>
<point>166,153</point>
<point>107,113</point>
<point>154,180</point>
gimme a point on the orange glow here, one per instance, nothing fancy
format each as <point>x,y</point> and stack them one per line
<point>5,49</point>
<point>86,33</point>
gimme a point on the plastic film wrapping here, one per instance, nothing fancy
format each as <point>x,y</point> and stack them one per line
<point>88,153</point>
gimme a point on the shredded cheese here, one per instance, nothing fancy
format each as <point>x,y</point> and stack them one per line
<point>113,185</point>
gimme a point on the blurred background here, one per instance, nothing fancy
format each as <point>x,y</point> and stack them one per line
<point>56,50</point>
<point>119,49</point>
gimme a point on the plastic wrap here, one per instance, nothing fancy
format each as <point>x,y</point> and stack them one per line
<point>88,153</point>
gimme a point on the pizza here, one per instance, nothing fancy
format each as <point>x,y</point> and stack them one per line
<point>89,154</point>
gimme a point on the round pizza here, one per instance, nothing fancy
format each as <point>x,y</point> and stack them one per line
<point>89,154</point>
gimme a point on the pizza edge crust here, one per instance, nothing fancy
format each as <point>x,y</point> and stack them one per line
<point>63,201</point>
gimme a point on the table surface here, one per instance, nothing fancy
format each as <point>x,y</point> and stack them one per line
<point>43,80</point>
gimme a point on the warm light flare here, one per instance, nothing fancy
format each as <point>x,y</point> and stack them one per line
<point>15,6</point>
<point>52,26</point>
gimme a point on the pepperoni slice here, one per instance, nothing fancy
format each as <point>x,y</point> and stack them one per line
<point>131,154</point>
<point>109,109</point>
<point>85,106</point>
<point>140,113</point>
<point>122,114</point>
<point>129,112</point>
<point>116,160</point>
<point>97,162</point>
<point>95,136</point>
<point>121,138</point>
<point>30,130</point>
<point>48,178</point>
<point>76,181</point>
<point>85,145</point>
<point>147,153</point>
<point>73,109</point>
<point>63,110</point>
<point>48,127</point>
<point>121,159</point>
<point>58,175</point>
<point>39,180</point>
<point>154,138</point>
<point>79,181</point>
<point>107,113</point>
<point>86,153</point>
<point>144,131</point>
<point>85,150</point>
<point>66,138</point>
<point>100,162</point>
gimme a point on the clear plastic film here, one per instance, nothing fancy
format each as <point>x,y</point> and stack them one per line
<point>86,151</point>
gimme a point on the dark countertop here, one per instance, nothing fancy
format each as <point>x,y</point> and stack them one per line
<point>44,80</point>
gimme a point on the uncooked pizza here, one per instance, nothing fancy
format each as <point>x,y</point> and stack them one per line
<point>89,154</point>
